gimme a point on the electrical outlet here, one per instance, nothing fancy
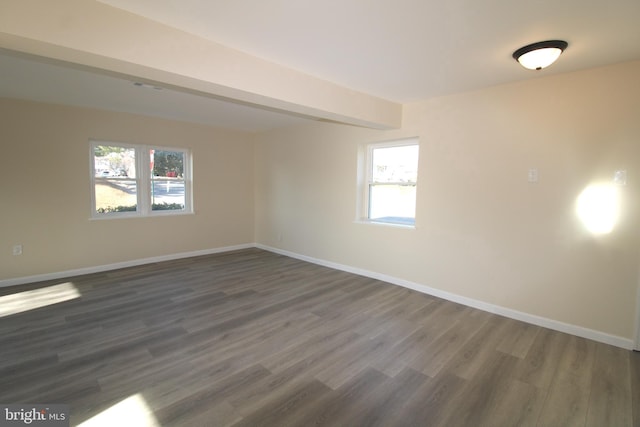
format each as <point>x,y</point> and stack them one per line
<point>17,250</point>
<point>533,175</point>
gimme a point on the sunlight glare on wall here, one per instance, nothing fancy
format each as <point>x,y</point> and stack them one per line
<point>598,207</point>
<point>36,298</point>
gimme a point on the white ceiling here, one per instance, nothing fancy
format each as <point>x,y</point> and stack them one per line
<point>403,51</point>
<point>407,50</point>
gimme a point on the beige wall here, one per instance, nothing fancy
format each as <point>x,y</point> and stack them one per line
<point>45,190</point>
<point>482,230</point>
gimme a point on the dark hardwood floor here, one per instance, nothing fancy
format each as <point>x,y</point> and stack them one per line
<point>251,338</point>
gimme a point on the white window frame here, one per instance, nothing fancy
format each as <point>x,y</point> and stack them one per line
<point>143,181</point>
<point>367,180</point>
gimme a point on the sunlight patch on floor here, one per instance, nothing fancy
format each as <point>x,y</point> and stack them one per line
<point>133,411</point>
<point>36,298</point>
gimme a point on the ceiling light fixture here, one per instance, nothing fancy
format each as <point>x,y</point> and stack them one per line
<point>540,55</point>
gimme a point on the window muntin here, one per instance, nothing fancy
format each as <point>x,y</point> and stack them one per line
<point>391,182</point>
<point>138,180</point>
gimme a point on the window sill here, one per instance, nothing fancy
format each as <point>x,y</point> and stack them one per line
<point>385,224</point>
<point>135,215</point>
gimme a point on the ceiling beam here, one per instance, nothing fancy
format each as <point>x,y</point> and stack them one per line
<point>101,37</point>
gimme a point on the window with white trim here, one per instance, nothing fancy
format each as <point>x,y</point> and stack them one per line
<point>390,182</point>
<point>139,180</point>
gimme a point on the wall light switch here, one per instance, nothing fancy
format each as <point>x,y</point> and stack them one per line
<point>533,175</point>
<point>17,250</point>
<point>620,177</point>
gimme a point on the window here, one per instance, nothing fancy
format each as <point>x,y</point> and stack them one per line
<point>390,182</point>
<point>138,180</point>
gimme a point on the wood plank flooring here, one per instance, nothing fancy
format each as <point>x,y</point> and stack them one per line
<point>251,338</point>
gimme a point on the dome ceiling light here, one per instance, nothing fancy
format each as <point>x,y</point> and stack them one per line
<point>540,55</point>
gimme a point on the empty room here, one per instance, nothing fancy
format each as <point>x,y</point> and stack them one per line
<point>290,213</point>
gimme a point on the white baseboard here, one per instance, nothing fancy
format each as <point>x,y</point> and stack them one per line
<point>579,331</point>
<point>491,308</point>
<point>125,264</point>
